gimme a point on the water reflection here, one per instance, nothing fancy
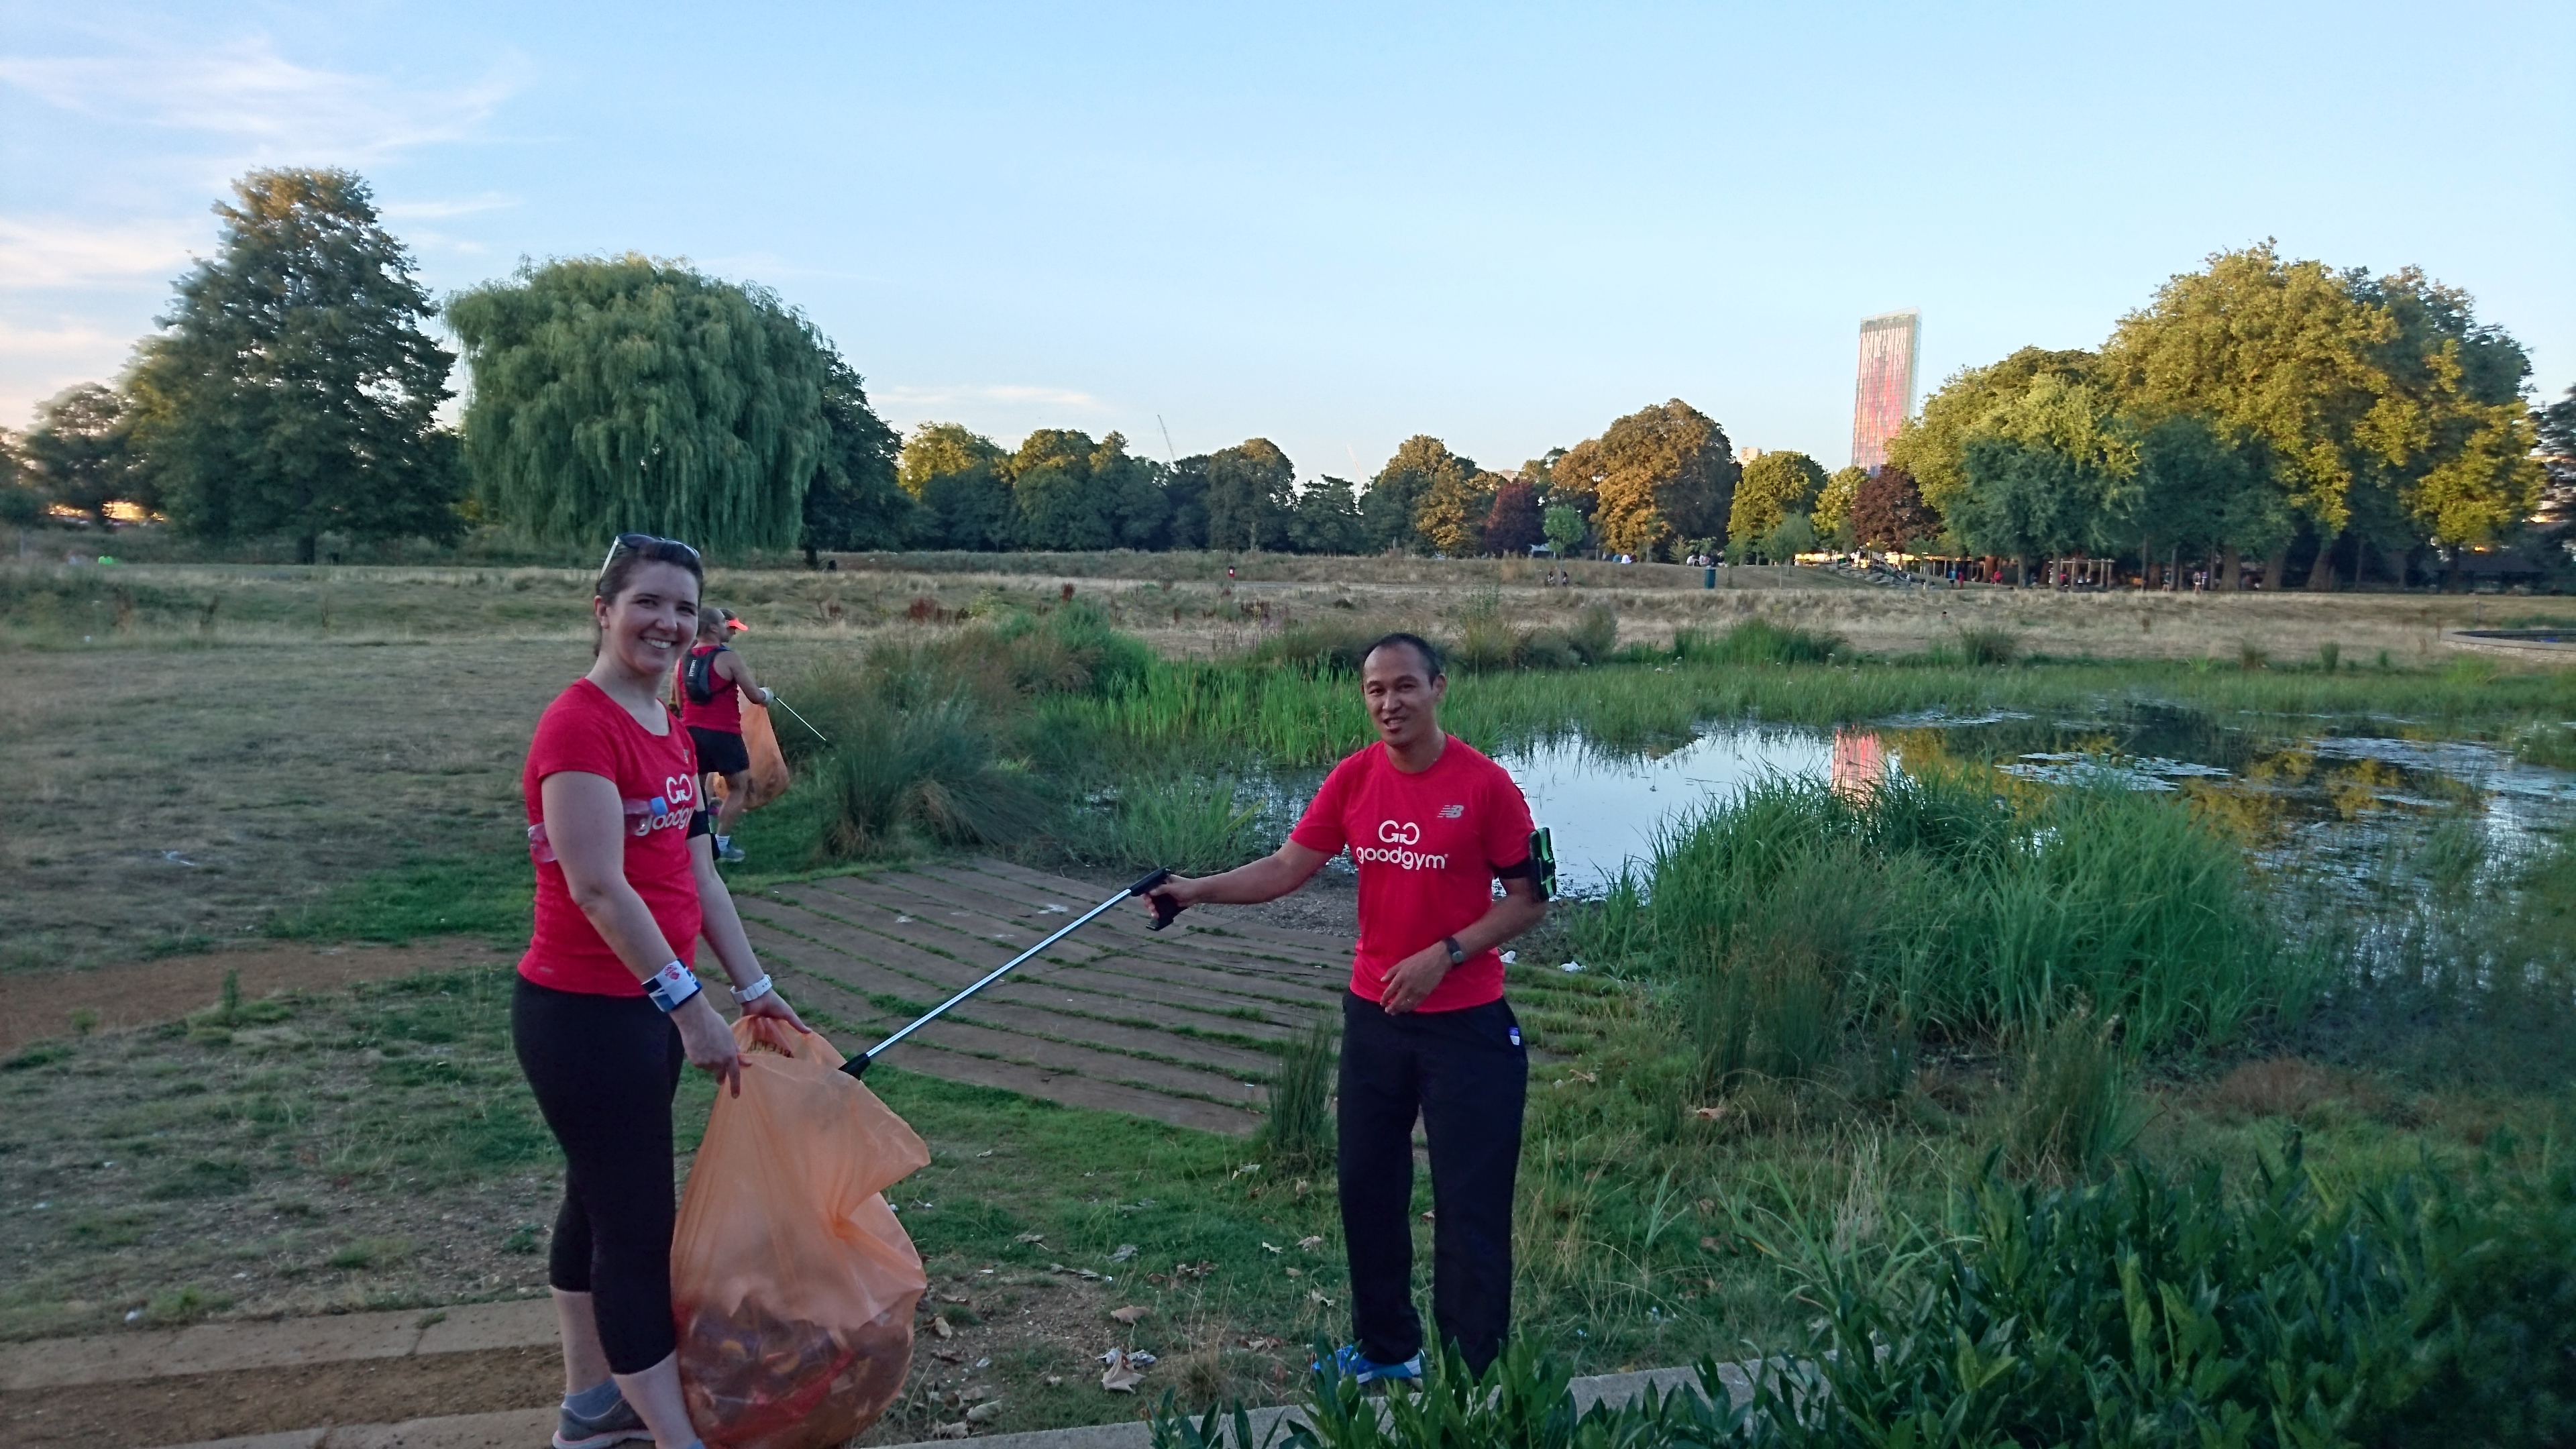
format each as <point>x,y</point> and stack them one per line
<point>1604,807</point>
<point>2326,800</point>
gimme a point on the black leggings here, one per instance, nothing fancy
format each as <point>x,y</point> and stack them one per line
<point>604,1069</point>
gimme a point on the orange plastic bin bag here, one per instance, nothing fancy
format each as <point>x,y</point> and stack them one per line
<point>792,1282</point>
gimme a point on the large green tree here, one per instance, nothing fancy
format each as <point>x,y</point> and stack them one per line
<point>1327,518</point>
<point>1391,510</point>
<point>1775,485</point>
<point>1251,488</point>
<point>1659,475</point>
<point>1451,516</point>
<point>79,452</point>
<point>293,389</point>
<point>1072,493</point>
<point>1931,445</point>
<point>615,393</point>
<point>1832,516</point>
<point>2200,496</point>
<point>2053,472</point>
<point>855,500</point>
<point>2380,407</point>
<point>1185,495</point>
<point>961,480</point>
<point>1059,505</point>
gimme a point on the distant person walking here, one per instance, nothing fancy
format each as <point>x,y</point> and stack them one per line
<point>1431,825</point>
<point>712,685</point>
<point>606,1006</point>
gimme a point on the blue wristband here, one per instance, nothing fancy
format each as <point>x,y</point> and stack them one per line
<point>671,986</point>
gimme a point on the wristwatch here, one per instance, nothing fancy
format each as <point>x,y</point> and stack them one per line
<point>1457,957</point>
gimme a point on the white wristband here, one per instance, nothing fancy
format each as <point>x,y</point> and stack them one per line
<point>671,986</point>
<point>749,994</point>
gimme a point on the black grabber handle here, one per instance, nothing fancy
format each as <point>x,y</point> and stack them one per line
<point>1165,912</point>
<point>857,1066</point>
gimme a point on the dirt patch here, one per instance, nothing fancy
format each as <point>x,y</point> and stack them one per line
<point>197,1407</point>
<point>1030,1345</point>
<point>39,1004</point>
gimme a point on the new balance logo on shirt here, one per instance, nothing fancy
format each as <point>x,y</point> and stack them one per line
<point>1452,812</point>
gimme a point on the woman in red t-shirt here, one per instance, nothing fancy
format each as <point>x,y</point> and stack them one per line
<point>607,1007</point>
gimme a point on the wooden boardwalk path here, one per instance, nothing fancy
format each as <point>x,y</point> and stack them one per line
<point>1180,1025</point>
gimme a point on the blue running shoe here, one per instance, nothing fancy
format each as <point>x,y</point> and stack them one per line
<point>619,1424</point>
<point>1348,1362</point>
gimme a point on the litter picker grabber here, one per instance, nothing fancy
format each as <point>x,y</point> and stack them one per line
<point>800,719</point>
<point>1164,911</point>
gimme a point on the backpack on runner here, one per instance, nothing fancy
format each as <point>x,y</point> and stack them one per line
<point>698,673</point>
<point>792,1282</point>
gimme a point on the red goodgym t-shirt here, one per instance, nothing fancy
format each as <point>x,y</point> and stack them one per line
<point>1427,847</point>
<point>586,732</point>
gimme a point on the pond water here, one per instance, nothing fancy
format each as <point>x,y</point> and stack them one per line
<point>2334,797</point>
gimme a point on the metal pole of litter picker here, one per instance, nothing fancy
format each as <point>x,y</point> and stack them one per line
<point>857,1066</point>
<point>800,719</point>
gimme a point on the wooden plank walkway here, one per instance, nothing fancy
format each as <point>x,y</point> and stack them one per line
<point>1181,1025</point>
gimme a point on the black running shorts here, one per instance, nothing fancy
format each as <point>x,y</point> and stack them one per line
<point>720,751</point>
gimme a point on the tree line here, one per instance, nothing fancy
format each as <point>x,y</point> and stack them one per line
<point>2260,412</point>
<point>294,390</point>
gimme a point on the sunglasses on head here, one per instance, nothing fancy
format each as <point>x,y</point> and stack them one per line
<point>660,550</point>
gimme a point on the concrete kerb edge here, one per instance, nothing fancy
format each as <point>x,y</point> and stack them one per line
<point>519,1428</point>
<point>238,1346</point>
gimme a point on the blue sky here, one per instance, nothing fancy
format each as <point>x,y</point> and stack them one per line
<point>1331,226</point>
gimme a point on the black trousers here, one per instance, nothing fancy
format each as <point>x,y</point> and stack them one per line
<point>604,1069</point>
<point>1464,1072</point>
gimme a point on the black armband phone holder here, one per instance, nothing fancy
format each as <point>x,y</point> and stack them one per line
<point>1539,869</point>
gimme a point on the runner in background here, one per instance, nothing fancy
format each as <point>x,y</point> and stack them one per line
<point>1430,825</point>
<point>712,685</point>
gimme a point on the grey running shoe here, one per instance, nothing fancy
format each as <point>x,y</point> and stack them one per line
<point>619,1424</point>
<point>730,853</point>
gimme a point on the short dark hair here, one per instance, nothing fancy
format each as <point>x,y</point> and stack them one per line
<point>1429,652</point>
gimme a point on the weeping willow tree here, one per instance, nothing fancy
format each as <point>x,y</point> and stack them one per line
<point>616,394</point>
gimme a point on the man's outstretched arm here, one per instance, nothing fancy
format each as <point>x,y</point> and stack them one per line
<point>1266,879</point>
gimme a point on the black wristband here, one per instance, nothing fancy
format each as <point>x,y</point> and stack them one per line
<point>1457,955</point>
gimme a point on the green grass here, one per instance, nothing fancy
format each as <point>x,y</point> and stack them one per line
<point>488,894</point>
<point>1934,899</point>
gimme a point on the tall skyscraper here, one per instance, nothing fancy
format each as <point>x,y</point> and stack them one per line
<point>1884,395</point>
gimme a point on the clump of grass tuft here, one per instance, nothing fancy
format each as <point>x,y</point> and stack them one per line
<point>1757,641</point>
<point>896,778</point>
<point>1990,646</point>
<point>2071,1112</point>
<point>1191,825</point>
<point>2329,656</point>
<point>1298,1131</point>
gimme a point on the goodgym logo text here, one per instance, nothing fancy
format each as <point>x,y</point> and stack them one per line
<point>1396,839</point>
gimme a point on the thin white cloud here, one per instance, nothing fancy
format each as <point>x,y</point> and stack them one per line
<point>245,90</point>
<point>59,252</point>
<point>933,397</point>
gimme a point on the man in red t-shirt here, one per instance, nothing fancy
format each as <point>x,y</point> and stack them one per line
<point>1430,825</point>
